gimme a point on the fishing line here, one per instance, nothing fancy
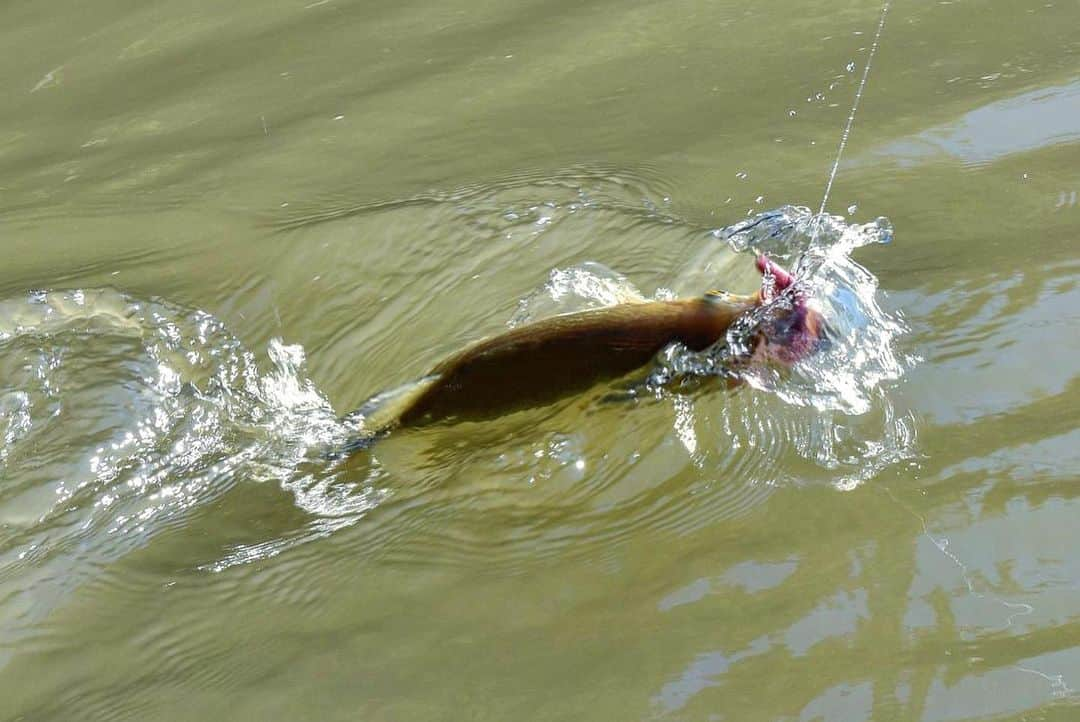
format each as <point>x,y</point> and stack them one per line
<point>855,104</point>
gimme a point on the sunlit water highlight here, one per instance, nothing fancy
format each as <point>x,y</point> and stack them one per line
<point>122,415</point>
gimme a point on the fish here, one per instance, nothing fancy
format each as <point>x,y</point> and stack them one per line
<point>539,363</point>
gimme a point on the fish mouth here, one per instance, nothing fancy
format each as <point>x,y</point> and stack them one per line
<point>791,329</point>
<point>774,279</point>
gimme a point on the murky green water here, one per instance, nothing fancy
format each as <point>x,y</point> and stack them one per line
<point>375,184</point>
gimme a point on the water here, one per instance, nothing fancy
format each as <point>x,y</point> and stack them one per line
<point>227,226</point>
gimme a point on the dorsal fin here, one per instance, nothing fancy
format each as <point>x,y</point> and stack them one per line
<point>715,296</point>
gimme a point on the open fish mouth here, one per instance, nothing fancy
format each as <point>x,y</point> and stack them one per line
<point>791,328</point>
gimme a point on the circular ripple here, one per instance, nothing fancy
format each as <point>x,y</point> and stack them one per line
<point>136,419</point>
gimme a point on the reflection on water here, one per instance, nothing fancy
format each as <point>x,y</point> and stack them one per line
<point>1037,119</point>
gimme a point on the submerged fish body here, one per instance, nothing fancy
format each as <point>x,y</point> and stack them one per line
<point>542,362</point>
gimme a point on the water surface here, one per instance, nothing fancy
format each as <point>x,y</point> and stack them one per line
<point>227,225</point>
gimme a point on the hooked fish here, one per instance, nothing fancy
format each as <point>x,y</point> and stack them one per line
<point>542,362</point>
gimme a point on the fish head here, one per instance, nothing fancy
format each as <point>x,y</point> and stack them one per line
<point>790,327</point>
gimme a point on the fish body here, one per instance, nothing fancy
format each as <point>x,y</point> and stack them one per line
<point>541,362</point>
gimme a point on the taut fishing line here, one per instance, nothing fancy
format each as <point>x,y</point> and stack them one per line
<point>855,104</point>
<point>1058,684</point>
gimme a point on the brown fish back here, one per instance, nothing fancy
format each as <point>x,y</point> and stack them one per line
<point>541,362</point>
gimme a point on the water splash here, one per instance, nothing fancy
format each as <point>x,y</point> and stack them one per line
<point>127,415</point>
<point>863,352</point>
<point>832,408</point>
<point>843,390</point>
<point>578,288</point>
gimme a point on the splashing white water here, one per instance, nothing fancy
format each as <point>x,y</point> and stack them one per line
<point>862,353</point>
<point>588,285</point>
<point>129,415</point>
<point>832,408</point>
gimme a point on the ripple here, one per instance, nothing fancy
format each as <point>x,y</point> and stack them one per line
<point>128,419</point>
<point>547,484</point>
<point>638,194</point>
<point>127,415</point>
